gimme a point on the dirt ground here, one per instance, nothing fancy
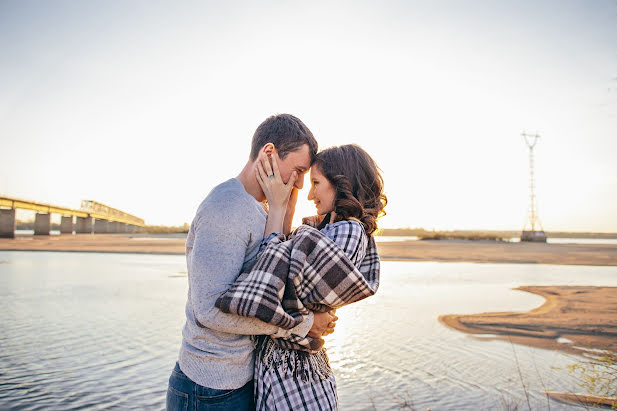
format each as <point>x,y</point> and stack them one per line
<point>445,251</point>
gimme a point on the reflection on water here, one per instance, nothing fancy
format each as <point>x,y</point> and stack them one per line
<point>103,331</point>
<point>31,232</point>
<point>582,240</point>
<point>395,238</point>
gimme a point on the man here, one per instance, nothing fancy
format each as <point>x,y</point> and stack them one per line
<point>215,366</point>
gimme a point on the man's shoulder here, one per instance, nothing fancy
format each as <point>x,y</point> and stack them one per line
<point>227,200</point>
<point>230,189</point>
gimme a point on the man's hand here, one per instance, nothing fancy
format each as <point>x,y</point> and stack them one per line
<point>323,324</point>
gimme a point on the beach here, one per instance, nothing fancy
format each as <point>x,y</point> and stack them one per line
<point>442,251</point>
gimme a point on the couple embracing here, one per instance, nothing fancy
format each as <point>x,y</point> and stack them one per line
<point>260,296</point>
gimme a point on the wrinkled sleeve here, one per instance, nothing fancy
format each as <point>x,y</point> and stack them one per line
<point>214,261</point>
<point>264,243</point>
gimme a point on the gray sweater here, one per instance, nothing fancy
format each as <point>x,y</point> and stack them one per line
<point>224,237</point>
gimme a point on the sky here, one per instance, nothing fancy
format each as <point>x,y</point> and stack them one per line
<point>147,105</point>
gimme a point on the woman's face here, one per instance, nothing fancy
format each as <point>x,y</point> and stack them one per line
<point>322,192</point>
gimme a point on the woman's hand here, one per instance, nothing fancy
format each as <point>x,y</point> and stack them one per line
<point>277,194</point>
<point>269,178</point>
<point>323,324</point>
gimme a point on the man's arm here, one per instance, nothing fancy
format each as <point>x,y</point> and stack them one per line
<point>214,262</point>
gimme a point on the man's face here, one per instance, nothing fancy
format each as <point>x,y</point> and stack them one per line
<point>299,160</point>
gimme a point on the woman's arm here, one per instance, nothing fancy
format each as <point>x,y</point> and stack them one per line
<point>291,209</point>
<point>350,237</point>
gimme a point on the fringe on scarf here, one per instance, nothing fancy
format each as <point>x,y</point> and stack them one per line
<point>300,364</point>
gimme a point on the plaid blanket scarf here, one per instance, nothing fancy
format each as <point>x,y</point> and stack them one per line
<point>307,272</point>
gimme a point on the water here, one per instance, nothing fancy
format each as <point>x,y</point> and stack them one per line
<point>395,238</point>
<point>612,241</point>
<point>565,240</point>
<point>99,331</point>
<point>31,232</point>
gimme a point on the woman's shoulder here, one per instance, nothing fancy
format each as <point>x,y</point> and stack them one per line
<point>350,227</point>
<point>350,236</point>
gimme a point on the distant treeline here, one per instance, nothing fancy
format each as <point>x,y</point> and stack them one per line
<point>423,234</point>
<point>407,232</point>
<point>152,229</point>
<point>164,229</point>
<point>484,234</point>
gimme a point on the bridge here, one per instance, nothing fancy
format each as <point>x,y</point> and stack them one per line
<point>92,217</point>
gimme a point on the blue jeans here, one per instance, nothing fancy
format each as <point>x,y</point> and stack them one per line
<point>184,394</point>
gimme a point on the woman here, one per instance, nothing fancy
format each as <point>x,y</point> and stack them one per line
<point>347,189</point>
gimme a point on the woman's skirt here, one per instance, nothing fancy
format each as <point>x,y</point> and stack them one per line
<point>293,380</point>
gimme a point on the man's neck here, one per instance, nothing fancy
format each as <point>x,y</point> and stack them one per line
<point>248,180</point>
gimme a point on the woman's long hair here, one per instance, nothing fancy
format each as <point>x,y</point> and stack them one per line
<point>358,184</point>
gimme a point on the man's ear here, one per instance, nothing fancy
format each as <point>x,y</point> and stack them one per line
<point>269,149</point>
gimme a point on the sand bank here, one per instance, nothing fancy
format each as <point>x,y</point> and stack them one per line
<point>573,319</point>
<point>500,252</point>
<point>110,243</point>
<point>446,251</point>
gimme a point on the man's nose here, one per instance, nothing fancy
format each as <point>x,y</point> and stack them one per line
<point>299,182</point>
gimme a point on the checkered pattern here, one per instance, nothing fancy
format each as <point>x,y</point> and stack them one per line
<point>276,389</point>
<point>310,271</point>
<point>349,235</point>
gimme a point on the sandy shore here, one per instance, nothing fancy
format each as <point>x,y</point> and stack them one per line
<point>446,251</point>
<point>500,252</point>
<point>103,243</point>
<point>572,319</point>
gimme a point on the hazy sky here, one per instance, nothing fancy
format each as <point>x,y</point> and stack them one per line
<point>147,105</point>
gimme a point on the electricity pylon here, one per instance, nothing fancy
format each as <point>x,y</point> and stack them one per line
<point>532,215</point>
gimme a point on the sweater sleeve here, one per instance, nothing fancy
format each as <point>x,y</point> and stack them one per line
<point>214,259</point>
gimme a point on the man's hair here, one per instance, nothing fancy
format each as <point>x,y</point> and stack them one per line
<point>288,133</point>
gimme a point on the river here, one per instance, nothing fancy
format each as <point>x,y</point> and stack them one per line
<point>102,330</point>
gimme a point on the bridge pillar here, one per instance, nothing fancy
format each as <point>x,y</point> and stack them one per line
<point>84,225</point>
<point>101,226</point>
<point>66,225</point>
<point>7,223</point>
<point>42,224</point>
